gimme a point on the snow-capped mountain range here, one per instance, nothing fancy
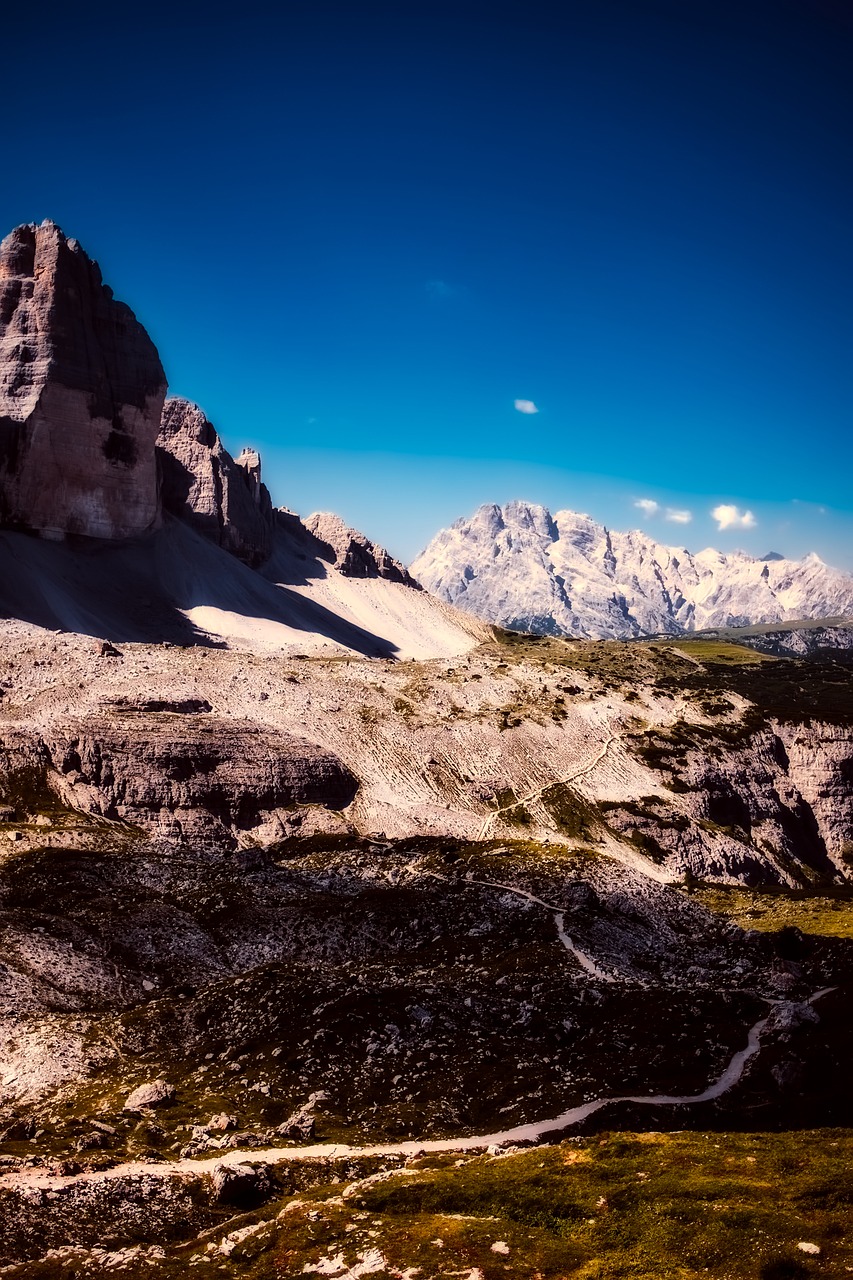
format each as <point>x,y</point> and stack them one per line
<point>566,574</point>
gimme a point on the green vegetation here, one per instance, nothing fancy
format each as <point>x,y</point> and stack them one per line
<point>715,651</point>
<point>574,816</point>
<point>518,815</point>
<point>648,1205</point>
<point>796,690</point>
<point>653,1206</point>
<point>828,912</point>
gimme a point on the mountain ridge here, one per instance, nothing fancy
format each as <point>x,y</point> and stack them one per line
<point>520,566</point>
<point>123,515</point>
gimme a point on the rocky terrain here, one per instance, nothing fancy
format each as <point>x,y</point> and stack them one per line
<point>342,906</point>
<point>803,638</point>
<point>355,555</point>
<point>320,900</point>
<point>566,574</point>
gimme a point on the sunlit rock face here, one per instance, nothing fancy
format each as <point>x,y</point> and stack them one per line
<point>81,391</point>
<point>222,498</point>
<point>353,554</point>
<point>566,574</point>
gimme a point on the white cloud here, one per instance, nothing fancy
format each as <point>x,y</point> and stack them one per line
<point>677,516</point>
<point>729,516</point>
<point>525,406</point>
<point>440,289</point>
<point>648,506</point>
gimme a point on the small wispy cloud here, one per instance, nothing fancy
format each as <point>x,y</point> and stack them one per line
<point>818,508</point>
<point>525,406</point>
<point>729,516</point>
<point>440,289</point>
<point>677,515</point>
<point>648,506</point>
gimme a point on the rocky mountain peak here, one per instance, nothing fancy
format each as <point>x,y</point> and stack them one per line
<point>81,390</point>
<point>250,461</point>
<point>567,574</point>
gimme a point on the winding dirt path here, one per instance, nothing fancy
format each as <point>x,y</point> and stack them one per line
<point>585,961</point>
<point>533,1132</point>
<point>537,792</point>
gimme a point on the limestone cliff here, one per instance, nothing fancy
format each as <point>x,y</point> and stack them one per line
<point>81,389</point>
<point>195,776</point>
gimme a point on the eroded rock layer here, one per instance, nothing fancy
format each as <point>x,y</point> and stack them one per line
<point>200,778</point>
<point>81,390</point>
<point>185,775</point>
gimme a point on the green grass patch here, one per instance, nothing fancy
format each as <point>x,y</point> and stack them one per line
<point>715,651</point>
<point>828,912</point>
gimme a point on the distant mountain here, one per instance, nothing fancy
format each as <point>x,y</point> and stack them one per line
<point>565,574</point>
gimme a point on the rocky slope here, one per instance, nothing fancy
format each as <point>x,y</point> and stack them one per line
<point>81,389</point>
<point>566,574</point>
<point>704,758</point>
<point>167,513</point>
<point>347,908</point>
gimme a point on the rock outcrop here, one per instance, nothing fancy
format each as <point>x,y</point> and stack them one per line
<point>205,779</point>
<point>222,498</point>
<point>565,574</point>
<point>801,641</point>
<point>81,390</point>
<point>353,554</point>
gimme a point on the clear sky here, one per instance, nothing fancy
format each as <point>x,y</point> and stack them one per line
<point>360,232</point>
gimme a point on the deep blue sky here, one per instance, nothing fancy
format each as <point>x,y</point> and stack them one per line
<point>359,232</point>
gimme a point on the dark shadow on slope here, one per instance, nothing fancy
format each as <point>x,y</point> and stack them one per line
<point>299,556</point>
<point>136,590</point>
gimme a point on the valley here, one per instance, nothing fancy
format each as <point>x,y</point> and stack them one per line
<point>516,890</point>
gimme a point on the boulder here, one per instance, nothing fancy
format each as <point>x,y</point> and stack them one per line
<point>242,1185</point>
<point>17,1129</point>
<point>155,1093</point>
<point>81,391</point>
<point>299,1126</point>
<point>221,1122</point>
<point>223,499</point>
<point>92,1141</point>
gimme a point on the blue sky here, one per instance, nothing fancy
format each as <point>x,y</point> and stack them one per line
<point>359,233</point>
